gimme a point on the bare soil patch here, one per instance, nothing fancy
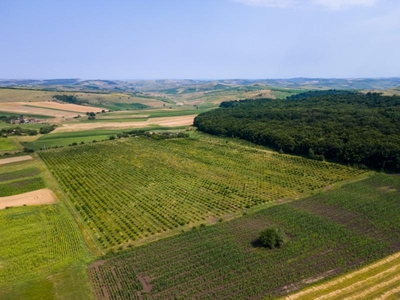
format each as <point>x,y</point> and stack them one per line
<point>145,281</point>
<point>43,196</point>
<point>163,121</point>
<point>4,161</point>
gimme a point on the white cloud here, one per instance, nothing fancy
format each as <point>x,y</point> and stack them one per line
<point>325,4</point>
<point>270,3</point>
<point>341,4</point>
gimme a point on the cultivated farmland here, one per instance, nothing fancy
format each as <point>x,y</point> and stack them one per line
<point>36,242</point>
<point>380,280</point>
<point>131,189</point>
<point>20,181</point>
<point>222,261</point>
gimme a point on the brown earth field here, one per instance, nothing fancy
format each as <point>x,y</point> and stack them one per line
<point>162,121</point>
<point>4,161</point>
<point>43,196</point>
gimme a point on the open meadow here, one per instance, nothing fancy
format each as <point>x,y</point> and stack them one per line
<point>8,144</point>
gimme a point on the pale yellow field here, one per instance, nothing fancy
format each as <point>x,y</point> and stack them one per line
<point>60,111</point>
<point>380,280</point>
<point>21,108</point>
<point>4,161</point>
<point>163,121</point>
<point>43,196</point>
<point>199,98</point>
<point>64,106</point>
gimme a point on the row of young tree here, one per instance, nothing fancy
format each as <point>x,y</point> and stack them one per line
<point>350,127</point>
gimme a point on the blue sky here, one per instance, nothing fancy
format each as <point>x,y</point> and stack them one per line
<point>199,39</point>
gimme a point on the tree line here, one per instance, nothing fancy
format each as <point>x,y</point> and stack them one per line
<point>69,99</point>
<point>350,127</point>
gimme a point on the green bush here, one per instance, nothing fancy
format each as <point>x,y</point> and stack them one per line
<point>272,237</point>
<point>47,129</point>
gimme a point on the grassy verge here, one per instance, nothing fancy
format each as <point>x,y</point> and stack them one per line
<point>19,178</point>
<point>8,144</point>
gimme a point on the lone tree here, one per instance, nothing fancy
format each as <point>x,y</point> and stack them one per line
<point>272,237</point>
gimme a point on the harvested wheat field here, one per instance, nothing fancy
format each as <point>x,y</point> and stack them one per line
<point>377,281</point>
<point>64,106</point>
<point>163,121</point>
<point>43,196</point>
<point>21,108</point>
<point>4,161</point>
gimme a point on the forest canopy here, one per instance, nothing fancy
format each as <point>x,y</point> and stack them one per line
<point>350,127</point>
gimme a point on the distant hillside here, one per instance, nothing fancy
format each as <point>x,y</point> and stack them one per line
<point>170,86</point>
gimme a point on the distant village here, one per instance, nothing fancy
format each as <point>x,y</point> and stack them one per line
<point>26,120</point>
<point>17,130</point>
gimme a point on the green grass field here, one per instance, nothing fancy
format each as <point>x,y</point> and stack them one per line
<point>42,254</point>
<point>222,262</point>
<point>8,144</point>
<point>67,138</point>
<point>129,190</point>
<point>26,126</point>
<point>20,178</point>
<point>20,186</point>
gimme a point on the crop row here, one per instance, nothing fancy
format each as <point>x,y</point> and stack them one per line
<point>36,239</point>
<point>131,189</point>
<point>221,261</point>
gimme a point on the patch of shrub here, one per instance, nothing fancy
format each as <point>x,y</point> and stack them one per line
<point>272,237</point>
<point>47,129</point>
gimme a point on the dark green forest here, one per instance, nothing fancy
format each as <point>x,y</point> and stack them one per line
<point>348,127</point>
<point>69,99</point>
